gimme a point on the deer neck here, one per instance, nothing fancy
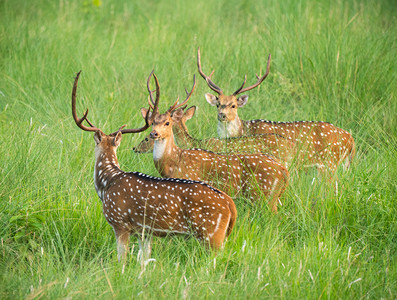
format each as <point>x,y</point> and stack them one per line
<point>230,129</point>
<point>106,168</point>
<point>185,140</point>
<point>166,155</point>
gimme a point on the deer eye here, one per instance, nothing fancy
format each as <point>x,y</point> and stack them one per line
<point>168,123</point>
<point>217,105</point>
<point>233,106</point>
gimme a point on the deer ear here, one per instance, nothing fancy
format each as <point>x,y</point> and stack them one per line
<point>177,115</point>
<point>117,139</point>
<point>242,100</point>
<point>98,136</point>
<point>144,113</point>
<point>211,99</point>
<point>189,113</point>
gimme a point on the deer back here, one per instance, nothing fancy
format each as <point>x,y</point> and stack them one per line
<point>256,175</point>
<point>274,144</point>
<point>316,142</point>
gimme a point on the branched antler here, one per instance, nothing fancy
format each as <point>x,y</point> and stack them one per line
<point>79,121</point>
<point>210,83</point>
<point>152,105</point>
<point>176,105</point>
<point>260,80</point>
<point>157,90</point>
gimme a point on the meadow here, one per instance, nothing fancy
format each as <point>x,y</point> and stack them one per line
<point>333,61</point>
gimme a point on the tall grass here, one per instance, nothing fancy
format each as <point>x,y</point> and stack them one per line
<point>333,61</point>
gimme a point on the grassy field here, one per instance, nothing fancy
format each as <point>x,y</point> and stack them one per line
<point>332,61</point>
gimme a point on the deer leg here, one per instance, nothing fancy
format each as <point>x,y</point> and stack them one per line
<point>145,248</point>
<point>274,194</point>
<point>278,188</point>
<point>140,251</point>
<point>122,239</point>
<point>330,175</point>
<point>346,164</point>
<point>217,237</point>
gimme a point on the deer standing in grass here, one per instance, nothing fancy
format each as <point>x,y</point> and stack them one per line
<point>262,175</point>
<point>318,143</point>
<point>135,203</point>
<point>270,143</point>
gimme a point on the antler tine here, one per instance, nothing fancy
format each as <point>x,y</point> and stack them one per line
<point>210,83</point>
<point>148,88</point>
<point>88,121</point>
<point>176,105</point>
<point>157,90</point>
<point>136,130</point>
<point>155,109</point>
<point>79,122</point>
<point>156,104</point>
<point>260,80</point>
<point>150,102</point>
<point>173,105</point>
<point>241,87</point>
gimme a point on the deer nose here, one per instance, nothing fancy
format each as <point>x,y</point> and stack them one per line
<point>154,134</point>
<point>222,117</point>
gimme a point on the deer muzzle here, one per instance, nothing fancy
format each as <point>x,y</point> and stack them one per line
<point>222,117</point>
<point>154,135</point>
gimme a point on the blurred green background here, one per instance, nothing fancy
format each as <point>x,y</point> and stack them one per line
<point>333,61</point>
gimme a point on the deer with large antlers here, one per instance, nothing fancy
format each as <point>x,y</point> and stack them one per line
<point>319,143</point>
<point>135,203</point>
<point>146,145</point>
<point>262,175</point>
<point>271,143</point>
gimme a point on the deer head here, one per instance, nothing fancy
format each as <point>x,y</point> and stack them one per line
<point>104,142</point>
<point>180,116</point>
<point>162,123</point>
<point>228,105</point>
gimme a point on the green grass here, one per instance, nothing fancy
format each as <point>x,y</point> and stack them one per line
<point>333,61</point>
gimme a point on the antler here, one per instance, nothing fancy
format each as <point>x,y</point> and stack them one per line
<point>212,85</point>
<point>157,90</point>
<point>260,80</point>
<point>135,130</point>
<point>79,122</point>
<point>176,105</point>
<point>152,105</point>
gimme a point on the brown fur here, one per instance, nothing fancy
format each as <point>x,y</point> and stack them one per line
<point>134,202</point>
<point>262,175</point>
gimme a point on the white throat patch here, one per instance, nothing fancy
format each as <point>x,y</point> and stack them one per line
<point>229,129</point>
<point>159,149</point>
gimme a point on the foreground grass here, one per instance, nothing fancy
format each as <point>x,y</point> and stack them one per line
<point>330,62</point>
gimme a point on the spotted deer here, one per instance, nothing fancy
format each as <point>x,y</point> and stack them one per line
<point>139,204</point>
<point>146,145</point>
<point>319,143</point>
<point>260,174</point>
<point>271,143</point>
